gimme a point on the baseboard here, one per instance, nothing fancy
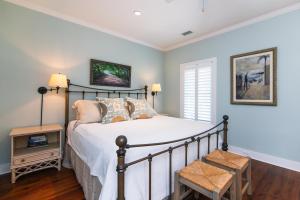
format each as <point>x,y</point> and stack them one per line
<point>4,168</point>
<point>280,162</point>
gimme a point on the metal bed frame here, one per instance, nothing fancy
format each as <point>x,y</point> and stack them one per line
<point>122,143</point>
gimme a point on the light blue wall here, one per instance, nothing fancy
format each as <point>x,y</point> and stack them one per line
<point>34,45</point>
<point>270,130</point>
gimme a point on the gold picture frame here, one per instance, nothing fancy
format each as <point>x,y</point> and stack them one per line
<point>254,78</point>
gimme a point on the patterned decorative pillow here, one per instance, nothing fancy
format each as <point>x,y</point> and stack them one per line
<point>125,103</point>
<point>140,109</point>
<point>113,110</point>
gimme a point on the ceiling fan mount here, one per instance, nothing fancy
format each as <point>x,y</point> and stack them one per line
<point>203,4</point>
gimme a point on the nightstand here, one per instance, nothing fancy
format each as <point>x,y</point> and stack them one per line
<point>25,160</point>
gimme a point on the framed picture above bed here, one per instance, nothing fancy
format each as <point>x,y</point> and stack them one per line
<point>104,73</point>
<point>253,78</point>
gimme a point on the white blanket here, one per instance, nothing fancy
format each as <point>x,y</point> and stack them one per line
<point>95,145</point>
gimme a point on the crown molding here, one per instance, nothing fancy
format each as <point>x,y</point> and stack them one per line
<point>74,20</point>
<point>52,13</point>
<point>263,17</point>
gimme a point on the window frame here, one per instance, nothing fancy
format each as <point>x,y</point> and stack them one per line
<point>213,63</point>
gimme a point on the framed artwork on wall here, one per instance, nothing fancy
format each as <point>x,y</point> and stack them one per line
<point>104,73</point>
<point>253,78</point>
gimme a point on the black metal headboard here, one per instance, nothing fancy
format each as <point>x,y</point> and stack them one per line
<point>84,90</point>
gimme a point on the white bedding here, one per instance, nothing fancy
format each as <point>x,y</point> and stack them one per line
<point>95,145</point>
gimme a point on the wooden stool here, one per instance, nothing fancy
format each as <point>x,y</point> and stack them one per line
<point>206,179</point>
<point>233,162</point>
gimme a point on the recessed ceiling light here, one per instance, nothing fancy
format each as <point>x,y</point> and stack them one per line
<point>137,12</point>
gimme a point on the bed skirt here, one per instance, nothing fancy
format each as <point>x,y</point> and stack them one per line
<point>90,184</point>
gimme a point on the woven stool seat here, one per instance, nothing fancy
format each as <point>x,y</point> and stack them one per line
<point>206,176</point>
<point>228,159</point>
<point>233,162</point>
<point>206,179</point>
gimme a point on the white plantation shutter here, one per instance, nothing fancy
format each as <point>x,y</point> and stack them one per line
<point>204,93</point>
<point>198,90</point>
<point>189,93</point>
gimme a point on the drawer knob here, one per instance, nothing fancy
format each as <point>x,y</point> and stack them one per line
<point>52,154</point>
<point>22,160</point>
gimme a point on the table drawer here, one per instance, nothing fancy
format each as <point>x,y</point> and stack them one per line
<point>36,157</point>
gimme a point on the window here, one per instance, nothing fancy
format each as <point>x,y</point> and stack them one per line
<point>198,90</point>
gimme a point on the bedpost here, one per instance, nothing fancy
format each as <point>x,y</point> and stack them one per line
<point>225,123</point>
<point>146,92</point>
<point>121,142</point>
<point>67,95</point>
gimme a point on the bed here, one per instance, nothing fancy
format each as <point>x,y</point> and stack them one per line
<point>144,168</point>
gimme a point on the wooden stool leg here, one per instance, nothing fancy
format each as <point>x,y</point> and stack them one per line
<point>249,189</point>
<point>216,196</point>
<point>13,176</point>
<point>239,194</point>
<point>233,189</point>
<point>177,187</point>
<point>196,195</point>
<point>59,164</point>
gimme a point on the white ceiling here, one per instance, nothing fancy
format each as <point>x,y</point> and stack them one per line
<point>161,23</point>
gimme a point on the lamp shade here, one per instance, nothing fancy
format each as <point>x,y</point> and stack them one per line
<point>58,80</point>
<point>156,87</point>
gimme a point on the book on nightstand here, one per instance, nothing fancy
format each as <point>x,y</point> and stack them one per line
<point>37,141</point>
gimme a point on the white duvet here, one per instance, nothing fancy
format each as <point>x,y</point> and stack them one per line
<point>95,145</point>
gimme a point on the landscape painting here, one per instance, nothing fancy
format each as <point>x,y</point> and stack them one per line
<point>109,74</point>
<point>253,78</point>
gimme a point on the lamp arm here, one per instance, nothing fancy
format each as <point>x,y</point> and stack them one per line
<point>153,93</point>
<point>43,90</point>
<point>153,101</point>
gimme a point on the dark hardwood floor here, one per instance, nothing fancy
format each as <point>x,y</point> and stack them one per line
<point>43,185</point>
<point>269,183</point>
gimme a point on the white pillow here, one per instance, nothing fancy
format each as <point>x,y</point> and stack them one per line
<point>87,111</point>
